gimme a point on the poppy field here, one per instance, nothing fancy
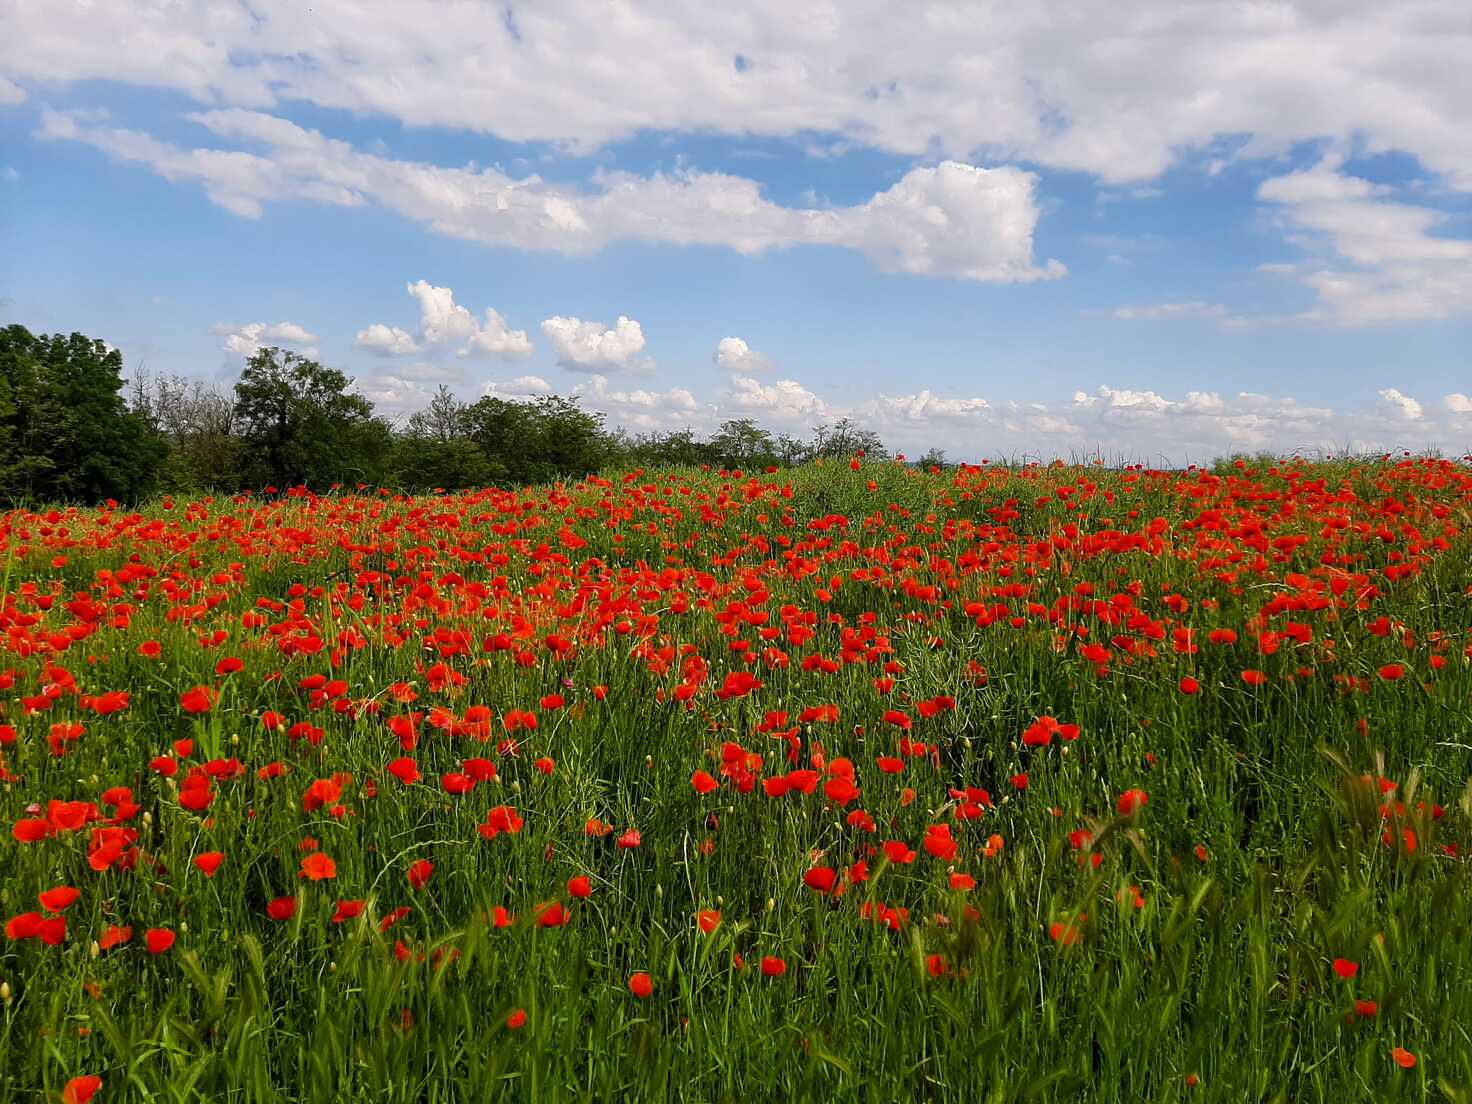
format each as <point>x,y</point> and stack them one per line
<point>841,782</point>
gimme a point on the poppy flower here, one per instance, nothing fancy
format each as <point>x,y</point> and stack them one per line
<point>158,940</point>
<point>821,879</point>
<point>282,908</point>
<point>515,1019</point>
<point>630,839</point>
<point>209,861</point>
<point>703,783</point>
<point>708,920</point>
<point>419,872</point>
<point>772,966</point>
<point>1403,1057</point>
<point>1188,685</point>
<point>580,887</point>
<point>347,910</point>
<point>641,985</point>
<point>113,936</point>
<point>553,915</point>
<point>1132,801</point>
<point>405,770</point>
<point>58,899</point>
<point>1345,968</point>
<point>316,867</point>
<point>79,1090</point>
<point>198,700</point>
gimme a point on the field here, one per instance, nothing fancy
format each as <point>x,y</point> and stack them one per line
<point>846,782</point>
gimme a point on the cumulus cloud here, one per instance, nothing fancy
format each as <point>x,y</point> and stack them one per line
<point>590,346</point>
<point>386,340</point>
<point>644,409</point>
<point>520,387</point>
<point>244,341</point>
<point>783,402</point>
<point>952,220</point>
<point>443,321</point>
<point>1458,403</point>
<point>735,355</point>
<point>1403,405</point>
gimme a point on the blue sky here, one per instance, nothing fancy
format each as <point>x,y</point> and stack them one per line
<point>988,235</point>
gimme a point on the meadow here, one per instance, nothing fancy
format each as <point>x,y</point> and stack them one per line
<point>850,781</point>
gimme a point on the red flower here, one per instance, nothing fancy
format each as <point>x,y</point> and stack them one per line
<point>1189,685</point>
<point>772,966</point>
<point>703,783</point>
<point>1132,801</point>
<point>641,985</point>
<point>516,1019</point>
<point>1345,968</point>
<point>209,861</point>
<point>419,872</point>
<point>708,920</point>
<point>57,900</point>
<point>197,700</point>
<point>580,887</point>
<point>79,1090</point>
<point>820,878</point>
<point>158,940</point>
<point>282,908</point>
<point>405,770</point>
<point>347,910</point>
<point>1403,1058</point>
<point>317,866</point>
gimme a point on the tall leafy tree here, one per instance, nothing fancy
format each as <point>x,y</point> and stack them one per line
<point>436,449</point>
<point>65,432</point>
<point>300,424</point>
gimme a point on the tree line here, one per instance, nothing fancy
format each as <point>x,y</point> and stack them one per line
<point>73,429</point>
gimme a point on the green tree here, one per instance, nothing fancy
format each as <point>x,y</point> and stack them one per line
<point>65,431</point>
<point>533,442</point>
<point>436,449</point>
<point>299,424</point>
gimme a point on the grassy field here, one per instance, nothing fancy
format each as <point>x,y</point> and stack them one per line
<point>848,782</point>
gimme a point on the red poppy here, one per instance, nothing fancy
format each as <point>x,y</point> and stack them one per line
<point>209,861</point>
<point>198,700</point>
<point>347,910</point>
<point>703,783</point>
<point>113,936</point>
<point>1403,1057</point>
<point>1345,968</point>
<point>158,940</point>
<point>79,1090</point>
<point>282,908</point>
<point>405,770</point>
<point>1132,801</point>
<point>58,899</point>
<point>579,886</point>
<point>516,1019</point>
<point>317,867</point>
<point>772,966</point>
<point>419,872</point>
<point>641,985</point>
<point>820,878</point>
<point>708,920</point>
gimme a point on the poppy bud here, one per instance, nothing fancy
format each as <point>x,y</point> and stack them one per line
<point>5,991</point>
<point>771,904</point>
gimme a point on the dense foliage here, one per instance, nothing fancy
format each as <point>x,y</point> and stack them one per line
<point>850,781</point>
<point>67,435</point>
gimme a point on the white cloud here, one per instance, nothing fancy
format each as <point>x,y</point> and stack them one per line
<point>520,387</point>
<point>643,409</point>
<point>1122,90</point>
<point>11,93</point>
<point>590,346</point>
<point>1458,403</point>
<point>1380,260</point>
<point>244,341</point>
<point>1165,311</point>
<point>1403,405</point>
<point>783,402</point>
<point>735,355</point>
<point>442,320</point>
<point>386,340</point>
<point>951,220</point>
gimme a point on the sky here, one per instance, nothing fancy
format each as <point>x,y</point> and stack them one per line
<point>1144,230</point>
